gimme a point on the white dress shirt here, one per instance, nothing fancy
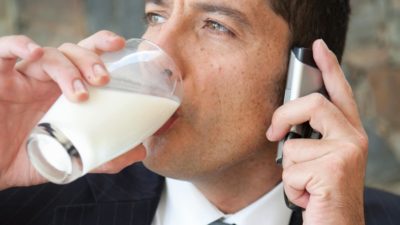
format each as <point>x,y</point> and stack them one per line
<point>182,203</point>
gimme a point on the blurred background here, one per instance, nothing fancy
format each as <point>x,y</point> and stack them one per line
<point>371,61</point>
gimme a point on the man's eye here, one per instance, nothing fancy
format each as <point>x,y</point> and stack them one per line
<point>154,18</point>
<point>217,27</point>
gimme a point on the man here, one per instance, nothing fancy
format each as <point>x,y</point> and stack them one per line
<point>233,56</point>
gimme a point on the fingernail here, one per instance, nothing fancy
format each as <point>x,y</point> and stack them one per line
<point>32,47</point>
<point>99,71</point>
<point>79,87</point>
<point>323,44</point>
<point>112,36</point>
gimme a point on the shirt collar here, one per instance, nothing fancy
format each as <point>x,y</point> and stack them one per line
<point>182,203</point>
<point>270,209</point>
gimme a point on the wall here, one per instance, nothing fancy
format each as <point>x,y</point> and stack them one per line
<point>372,62</point>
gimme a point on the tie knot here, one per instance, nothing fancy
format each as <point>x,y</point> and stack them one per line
<point>220,222</point>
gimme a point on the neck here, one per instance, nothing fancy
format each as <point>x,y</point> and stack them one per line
<point>236,187</point>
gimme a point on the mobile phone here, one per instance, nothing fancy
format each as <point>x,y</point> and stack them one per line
<point>303,78</point>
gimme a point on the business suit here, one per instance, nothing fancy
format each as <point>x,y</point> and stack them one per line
<point>130,197</point>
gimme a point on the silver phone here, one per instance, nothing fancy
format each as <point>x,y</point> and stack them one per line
<point>303,78</point>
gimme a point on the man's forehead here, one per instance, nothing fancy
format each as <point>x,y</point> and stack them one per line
<point>241,2</point>
<point>228,7</point>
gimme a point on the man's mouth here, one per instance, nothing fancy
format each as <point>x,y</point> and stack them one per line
<point>167,124</point>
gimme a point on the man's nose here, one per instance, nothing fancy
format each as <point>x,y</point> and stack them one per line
<point>170,38</point>
<point>167,39</point>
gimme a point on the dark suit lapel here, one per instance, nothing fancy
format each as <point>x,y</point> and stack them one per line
<point>139,212</point>
<point>132,184</point>
<point>130,197</point>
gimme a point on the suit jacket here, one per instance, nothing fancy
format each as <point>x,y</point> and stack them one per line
<point>128,198</point>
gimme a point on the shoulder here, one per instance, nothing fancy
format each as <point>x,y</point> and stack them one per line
<point>381,207</point>
<point>86,197</point>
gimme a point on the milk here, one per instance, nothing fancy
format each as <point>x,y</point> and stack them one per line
<point>110,123</point>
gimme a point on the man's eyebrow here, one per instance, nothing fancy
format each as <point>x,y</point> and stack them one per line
<point>223,10</point>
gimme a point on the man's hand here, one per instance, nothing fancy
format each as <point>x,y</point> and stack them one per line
<point>85,56</point>
<point>31,79</point>
<point>326,176</point>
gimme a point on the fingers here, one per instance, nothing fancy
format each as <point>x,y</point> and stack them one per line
<point>328,118</point>
<point>302,157</point>
<point>295,180</point>
<point>85,55</point>
<point>74,67</point>
<point>116,165</point>
<point>14,47</point>
<point>103,41</point>
<point>298,151</point>
<point>55,66</point>
<point>323,172</point>
<point>88,63</point>
<point>320,179</point>
<point>315,108</point>
<point>335,82</point>
<point>320,169</point>
<point>302,150</point>
<point>71,66</point>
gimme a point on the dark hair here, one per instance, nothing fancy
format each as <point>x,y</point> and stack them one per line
<point>313,19</point>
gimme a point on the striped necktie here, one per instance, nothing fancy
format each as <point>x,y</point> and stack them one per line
<point>220,222</point>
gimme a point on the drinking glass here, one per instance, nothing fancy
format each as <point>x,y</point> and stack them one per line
<point>144,91</point>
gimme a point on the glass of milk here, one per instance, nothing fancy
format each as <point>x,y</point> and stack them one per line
<point>144,91</point>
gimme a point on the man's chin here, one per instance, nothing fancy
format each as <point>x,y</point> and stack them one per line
<point>157,158</point>
<point>155,149</point>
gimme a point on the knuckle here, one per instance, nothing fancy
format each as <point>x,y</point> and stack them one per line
<point>64,74</point>
<point>105,33</point>
<point>336,167</point>
<point>352,149</point>
<point>287,147</point>
<point>50,50</point>
<point>285,176</point>
<point>347,146</point>
<point>51,55</point>
<point>66,46</point>
<point>92,58</point>
<point>325,195</point>
<point>317,107</point>
<point>363,142</point>
<point>70,71</point>
<point>21,39</point>
<point>318,101</point>
<point>357,153</point>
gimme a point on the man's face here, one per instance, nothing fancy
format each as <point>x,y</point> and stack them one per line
<point>233,56</point>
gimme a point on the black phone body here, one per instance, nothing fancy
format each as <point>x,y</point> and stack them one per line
<point>303,78</point>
